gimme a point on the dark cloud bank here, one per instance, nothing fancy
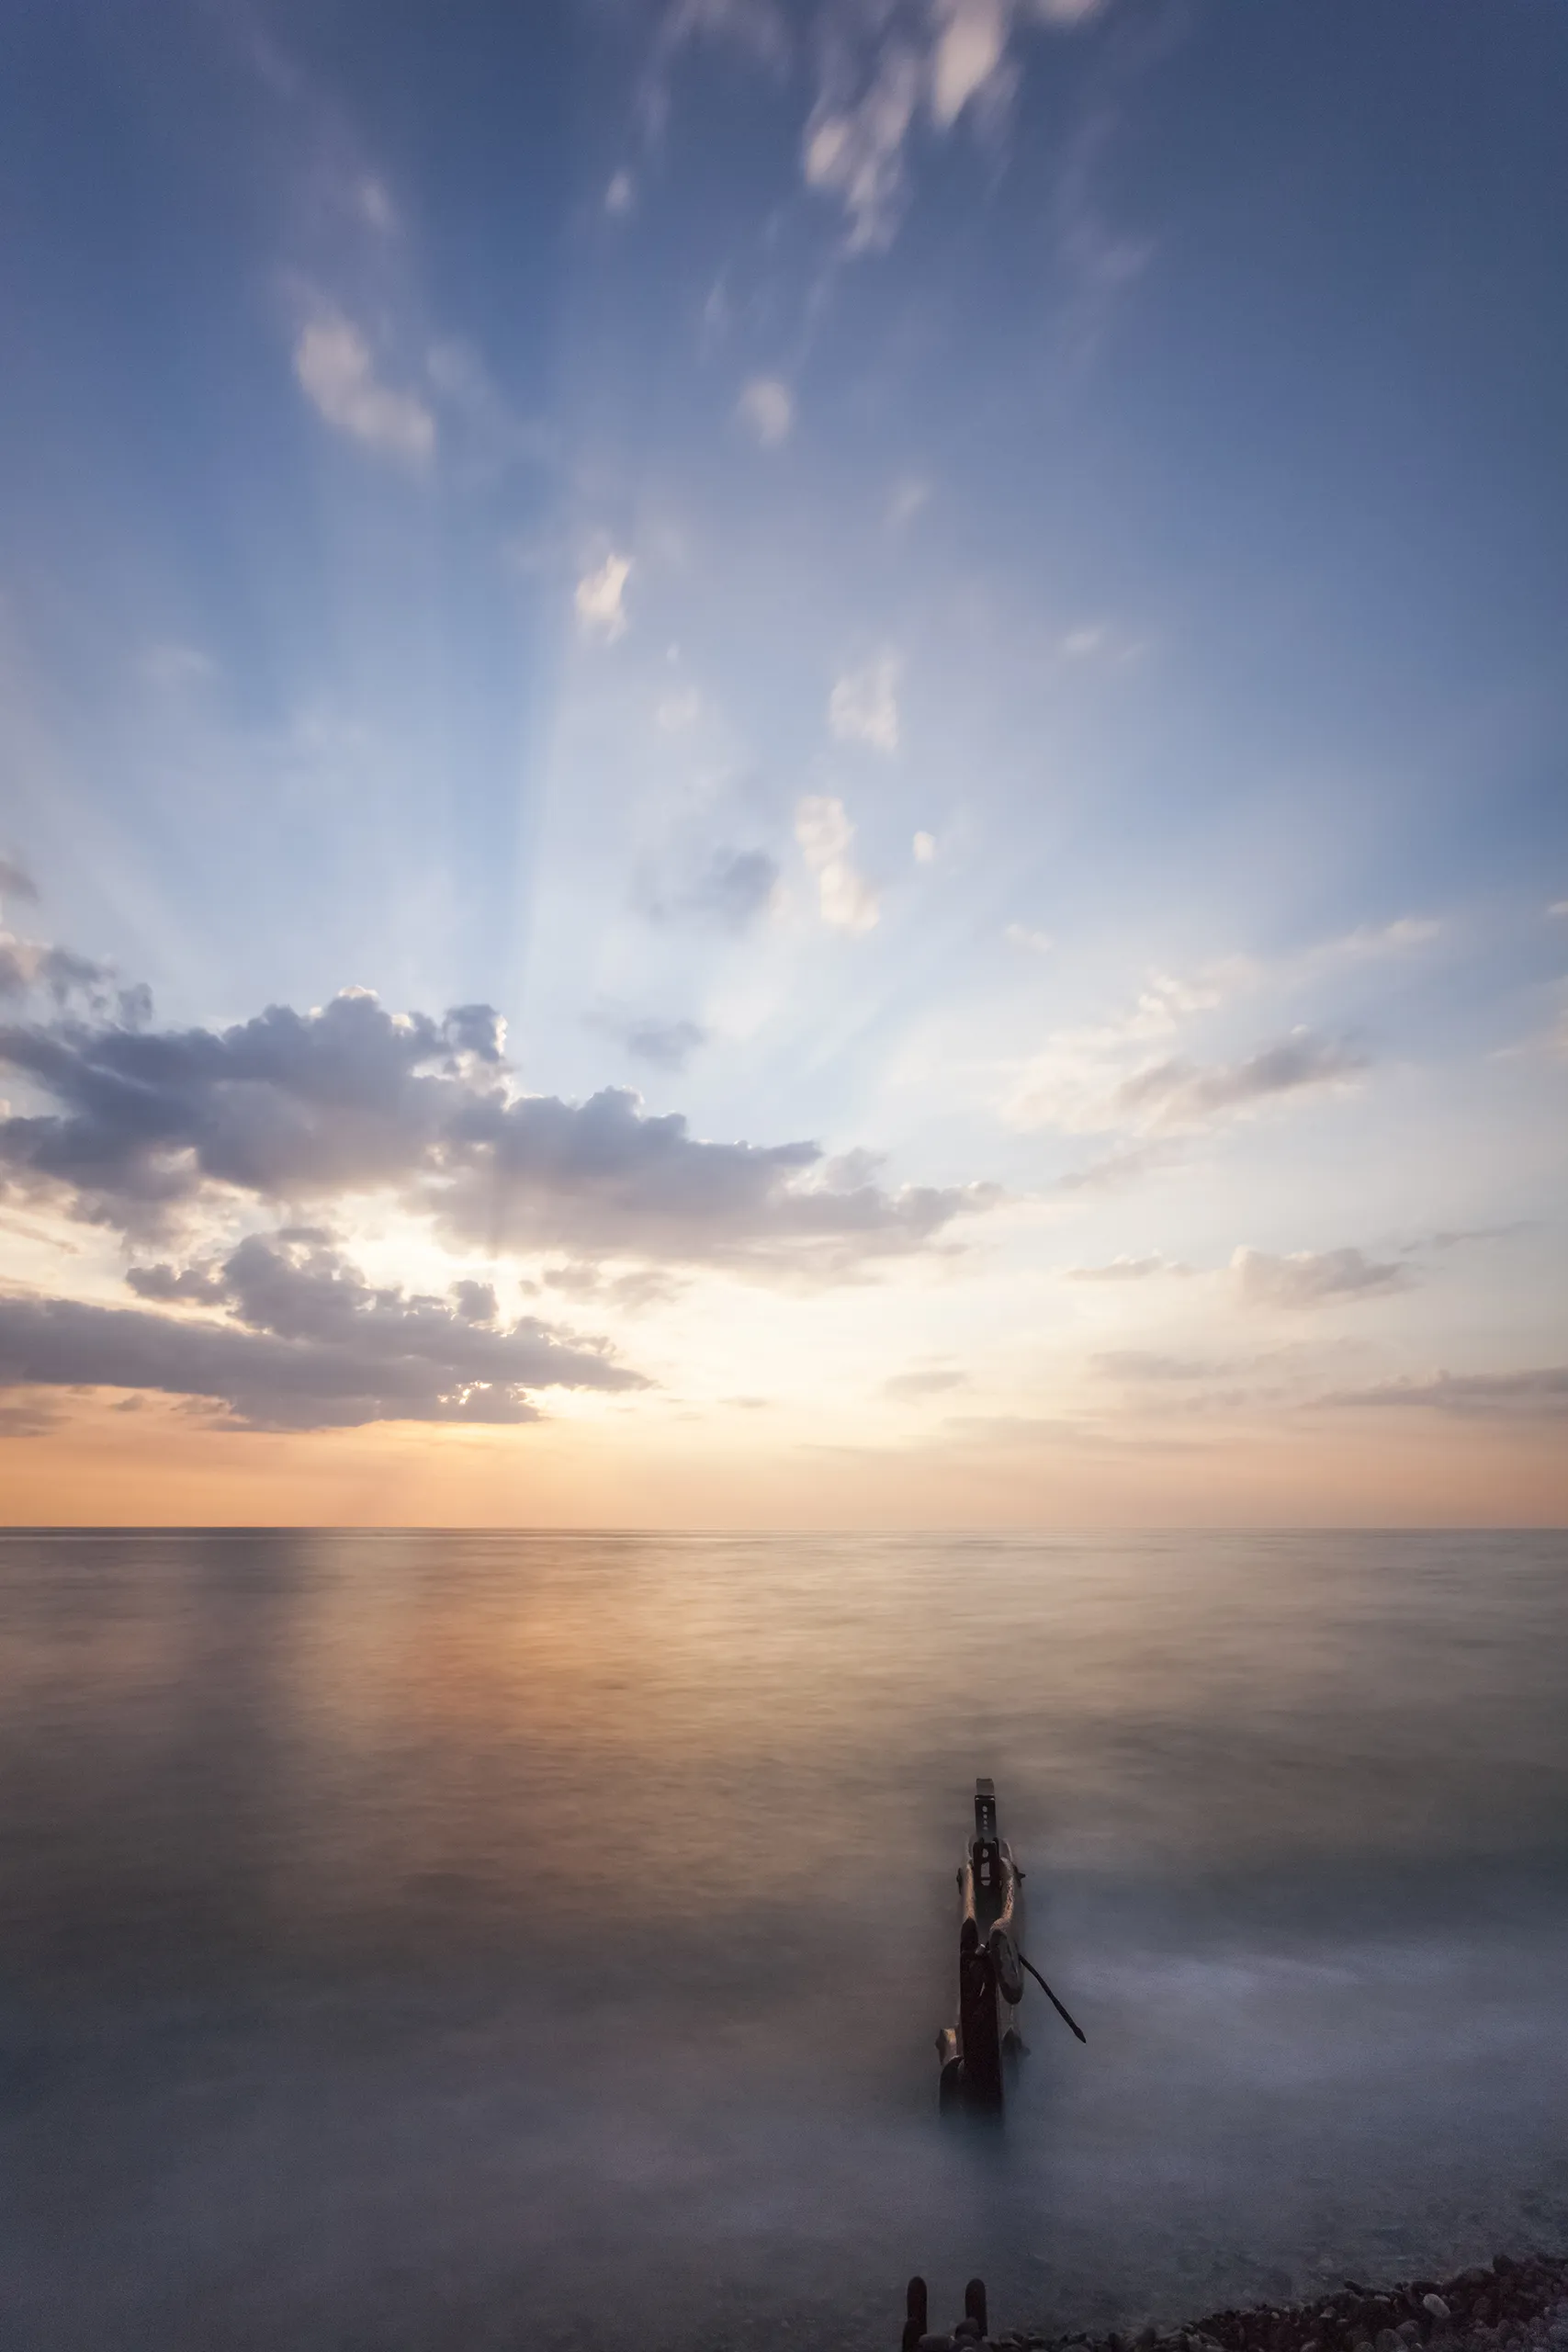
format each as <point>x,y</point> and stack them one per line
<point>143,1130</point>
<point>306,1344</point>
<point>139,1124</point>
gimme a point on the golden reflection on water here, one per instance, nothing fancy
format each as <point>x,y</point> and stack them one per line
<point>630,1720</point>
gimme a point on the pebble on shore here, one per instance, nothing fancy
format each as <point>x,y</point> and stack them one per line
<point>1511,2303</point>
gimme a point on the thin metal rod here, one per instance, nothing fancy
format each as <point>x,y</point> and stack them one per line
<point>1052,1999</point>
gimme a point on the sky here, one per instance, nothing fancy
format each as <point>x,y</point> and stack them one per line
<point>783,766</point>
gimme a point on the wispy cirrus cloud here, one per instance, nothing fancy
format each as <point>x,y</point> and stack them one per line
<point>1142,1366</point>
<point>910,1388</point>
<point>601,598</point>
<point>1535,1392</point>
<point>336,370</point>
<point>69,982</point>
<point>1113,1169</point>
<point>1076,1086</point>
<point>766,409</point>
<point>1100,1076</point>
<point>884,70</point>
<point>966,55</point>
<point>484,431</point>
<point>852,146</point>
<point>1072,1083</point>
<point>372,200</point>
<point>1313,1278</point>
<point>1125,1269</point>
<point>625,1290</point>
<point>1181,1093</point>
<point>863,705</point>
<point>667,1045</point>
<point>845,899</point>
<point>730,887</point>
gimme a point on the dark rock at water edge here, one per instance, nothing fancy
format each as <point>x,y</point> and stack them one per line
<point>1514,2301</point>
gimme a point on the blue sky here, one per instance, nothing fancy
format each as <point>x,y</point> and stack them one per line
<point>981,585</point>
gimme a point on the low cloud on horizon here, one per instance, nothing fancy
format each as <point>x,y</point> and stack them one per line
<point>306,1344</point>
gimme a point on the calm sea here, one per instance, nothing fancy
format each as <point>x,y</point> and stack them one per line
<point>475,1939</point>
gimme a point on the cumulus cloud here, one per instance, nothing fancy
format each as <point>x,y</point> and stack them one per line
<point>475,1302</point>
<point>16,882</point>
<point>826,836</point>
<point>1309,1278</point>
<point>168,1285</point>
<point>924,846</point>
<point>863,706</point>
<point>306,1344</point>
<point>1179,1093</point>
<point>1539,1392</point>
<point>285,1103</point>
<point>766,407</point>
<point>603,1175</point>
<point>601,598</point>
<point>335,370</point>
<point>135,1129</point>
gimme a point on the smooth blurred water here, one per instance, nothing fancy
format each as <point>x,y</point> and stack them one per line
<point>472,1939</point>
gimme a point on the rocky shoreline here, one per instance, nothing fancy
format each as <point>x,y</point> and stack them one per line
<point>1509,2303</point>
